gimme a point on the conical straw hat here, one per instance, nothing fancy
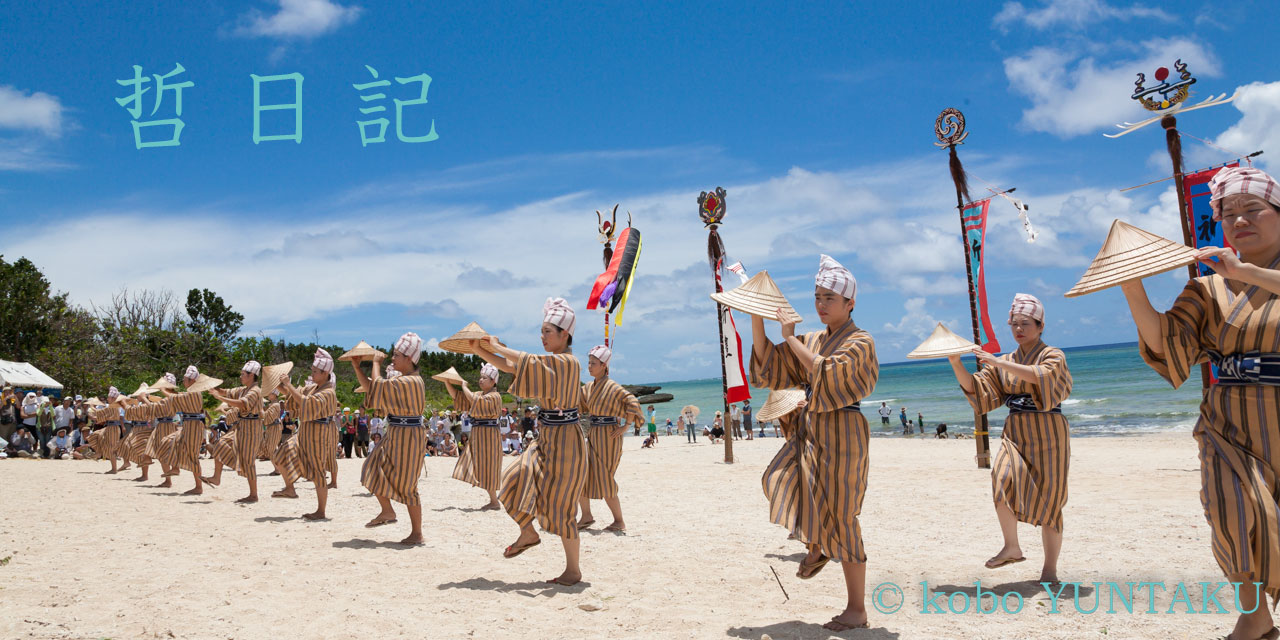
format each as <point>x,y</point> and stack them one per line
<point>941,343</point>
<point>362,349</point>
<point>94,402</point>
<point>273,375</point>
<point>460,342</point>
<point>204,383</point>
<point>780,403</point>
<point>449,374</point>
<point>161,383</point>
<point>758,296</point>
<point>1131,254</point>
<point>142,390</point>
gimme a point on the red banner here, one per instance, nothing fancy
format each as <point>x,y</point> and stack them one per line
<point>975,238</point>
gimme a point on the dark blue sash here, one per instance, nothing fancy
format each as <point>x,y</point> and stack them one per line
<point>1251,367</point>
<point>1022,403</point>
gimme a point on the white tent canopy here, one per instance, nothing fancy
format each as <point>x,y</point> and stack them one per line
<point>25,375</point>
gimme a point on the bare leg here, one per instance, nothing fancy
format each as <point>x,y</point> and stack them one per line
<point>572,572</point>
<point>333,483</point>
<point>855,614</point>
<point>615,506</point>
<point>387,514</point>
<point>322,496</point>
<point>199,488</point>
<point>1052,547</point>
<point>216,479</point>
<point>253,485</point>
<point>1008,529</point>
<point>143,477</point>
<point>493,501</point>
<point>1257,623</point>
<point>415,520</point>
<point>584,505</point>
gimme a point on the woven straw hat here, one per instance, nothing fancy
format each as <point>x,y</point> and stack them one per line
<point>204,383</point>
<point>1131,254</point>
<point>94,402</point>
<point>273,375</point>
<point>941,343</point>
<point>758,296</point>
<point>780,403</point>
<point>142,390</point>
<point>460,342</point>
<point>449,374</point>
<point>362,349</point>
<point>161,383</point>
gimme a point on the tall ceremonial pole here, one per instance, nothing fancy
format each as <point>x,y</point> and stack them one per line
<point>711,210</point>
<point>949,128</point>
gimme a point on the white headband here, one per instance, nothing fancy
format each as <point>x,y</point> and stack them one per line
<point>833,276</point>
<point>558,312</point>
<point>602,353</point>
<point>111,395</point>
<point>170,378</point>
<point>409,345</point>
<point>252,366</point>
<point>1027,305</point>
<point>489,371</point>
<point>192,372</point>
<point>323,361</point>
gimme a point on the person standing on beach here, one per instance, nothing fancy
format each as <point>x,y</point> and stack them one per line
<point>920,421</point>
<point>546,480</point>
<point>392,471</point>
<point>180,450</point>
<point>884,412</point>
<point>746,418</point>
<point>1232,318</point>
<point>837,368</point>
<point>608,407</point>
<point>480,463</point>
<point>735,420</point>
<point>1029,475</point>
<point>311,452</point>
<point>246,400</point>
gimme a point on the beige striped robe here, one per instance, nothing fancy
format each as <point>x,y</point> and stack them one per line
<point>835,462</point>
<point>1238,431</point>
<point>109,437</point>
<point>393,468</point>
<point>480,463</point>
<point>160,409</point>
<point>248,432</point>
<point>310,453</point>
<point>605,397</point>
<point>134,446</point>
<point>547,479</point>
<point>1029,474</point>
<point>790,500</point>
<point>273,430</point>
<point>181,449</point>
<point>224,450</point>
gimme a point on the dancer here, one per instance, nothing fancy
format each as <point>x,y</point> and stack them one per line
<point>391,472</point>
<point>836,367</point>
<point>108,438</point>
<point>274,429</point>
<point>480,462</point>
<point>310,453</point>
<point>134,447</point>
<point>246,400</point>
<point>181,449</point>
<point>1232,318</point>
<point>1029,476</point>
<point>790,501</point>
<point>165,425</point>
<point>610,407</point>
<point>547,479</point>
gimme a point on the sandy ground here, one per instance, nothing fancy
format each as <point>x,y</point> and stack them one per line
<point>87,555</point>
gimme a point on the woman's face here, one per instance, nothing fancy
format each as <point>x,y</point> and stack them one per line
<point>1025,329</point>
<point>319,376</point>
<point>596,368</point>
<point>554,339</point>
<point>831,306</point>
<point>402,363</point>
<point>486,384</point>
<point>1251,225</point>
<point>247,379</point>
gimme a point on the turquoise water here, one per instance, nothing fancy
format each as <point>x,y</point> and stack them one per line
<point>1114,393</point>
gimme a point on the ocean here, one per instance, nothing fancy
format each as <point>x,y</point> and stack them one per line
<point>1114,393</point>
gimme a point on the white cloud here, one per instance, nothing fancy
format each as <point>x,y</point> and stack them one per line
<point>1259,125</point>
<point>1072,13</point>
<point>1073,95</point>
<point>38,111</point>
<point>913,327</point>
<point>298,19</point>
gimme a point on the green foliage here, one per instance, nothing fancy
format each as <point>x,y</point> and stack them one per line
<point>29,311</point>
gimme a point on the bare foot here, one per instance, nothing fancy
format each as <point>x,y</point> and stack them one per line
<point>140,479</point>
<point>247,500</point>
<point>333,485</point>
<point>492,506</point>
<point>567,579</point>
<point>193,492</point>
<point>618,526</point>
<point>381,519</point>
<point>165,485</point>
<point>1007,555</point>
<point>413,539</point>
<point>111,472</point>
<point>284,493</point>
<point>317,515</point>
<point>1250,627</point>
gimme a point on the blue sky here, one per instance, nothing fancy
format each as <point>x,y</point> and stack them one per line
<point>817,118</point>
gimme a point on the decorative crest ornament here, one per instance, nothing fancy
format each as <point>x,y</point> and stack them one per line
<point>1179,88</point>
<point>949,127</point>
<point>711,207</point>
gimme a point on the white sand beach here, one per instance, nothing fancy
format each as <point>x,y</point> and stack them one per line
<point>88,555</point>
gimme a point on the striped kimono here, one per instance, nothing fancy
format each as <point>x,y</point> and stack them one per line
<point>110,435</point>
<point>273,430</point>
<point>789,505</point>
<point>224,450</point>
<point>1029,474</point>
<point>392,469</point>
<point>310,453</point>
<point>134,447</point>
<point>248,433</point>
<point>1238,431</point>
<point>181,449</point>
<point>162,414</point>
<point>480,462</point>
<point>834,463</point>
<point>608,407</point>
<point>547,479</point>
